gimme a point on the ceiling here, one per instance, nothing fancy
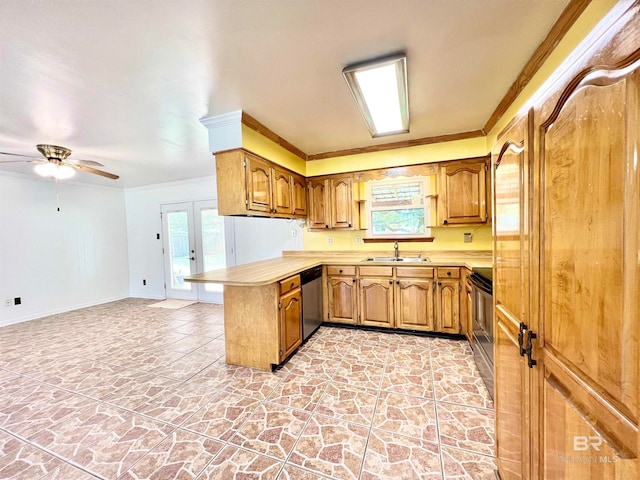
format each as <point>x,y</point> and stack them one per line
<point>125,83</point>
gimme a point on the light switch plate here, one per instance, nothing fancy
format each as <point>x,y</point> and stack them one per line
<point>468,237</point>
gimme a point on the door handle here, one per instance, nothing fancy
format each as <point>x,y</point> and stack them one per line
<point>530,336</point>
<point>521,330</point>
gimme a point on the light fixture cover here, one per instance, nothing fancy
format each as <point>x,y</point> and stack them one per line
<point>50,169</point>
<point>379,88</point>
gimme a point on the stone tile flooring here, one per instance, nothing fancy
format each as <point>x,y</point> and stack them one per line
<point>121,391</point>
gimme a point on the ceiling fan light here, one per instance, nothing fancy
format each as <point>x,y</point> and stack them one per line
<point>45,169</point>
<point>63,172</point>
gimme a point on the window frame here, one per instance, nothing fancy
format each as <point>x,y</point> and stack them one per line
<point>425,207</point>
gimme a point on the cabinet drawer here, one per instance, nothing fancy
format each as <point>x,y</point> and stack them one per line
<point>446,272</point>
<point>377,271</point>
<point>289,284</point>
<point>415,272</point>
<point>349,270</point>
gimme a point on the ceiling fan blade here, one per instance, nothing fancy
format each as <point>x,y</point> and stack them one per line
<point>84,168</point>
<point>35,160</point>
<point>76,161</point>
<point>38,159</point>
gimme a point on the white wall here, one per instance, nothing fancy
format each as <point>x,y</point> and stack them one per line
<point>255,238</point>
<point>59,261</point>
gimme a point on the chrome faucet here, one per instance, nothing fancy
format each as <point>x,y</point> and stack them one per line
<point>396,253</point>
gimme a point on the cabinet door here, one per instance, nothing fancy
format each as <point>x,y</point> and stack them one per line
<point>282,191</point>
<point>510,293</point>
<point>258,177</point>
<point>588,338</point>
<point>318,217</point>
<point>341,202</point>
<point>299,196</point>
<point>414,304</point>
<point>376,302</point>
<point>448,306</point>
<point>342,300</point>
<point>290,322</point>
<point>464,195</point>
<point>511,400</point>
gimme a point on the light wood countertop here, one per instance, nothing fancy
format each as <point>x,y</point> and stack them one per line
<point>273,270</point>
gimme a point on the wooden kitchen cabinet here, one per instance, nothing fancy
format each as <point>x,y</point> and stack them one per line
<point>376,302</point>
<point>414,304</point>
<point>331,204</point>
<point>448,305</point>
<point>462,196</point>
<point>251,185</point>
<point>342,296</point>
<point>290,307</point>
<point>466,306</point>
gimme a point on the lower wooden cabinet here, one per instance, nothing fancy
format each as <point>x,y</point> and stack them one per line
<point>342,299</point>
<point>290,322</point>
<point>411,298</point>
<point>376,302</point>
<point>448,303</point>
<point>414,304</point>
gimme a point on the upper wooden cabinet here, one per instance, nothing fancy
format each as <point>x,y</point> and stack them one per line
<point>462,196</point>
<point>251,185</point>
<point>331,204</point>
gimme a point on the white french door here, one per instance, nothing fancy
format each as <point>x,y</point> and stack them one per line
<point>195,239</point>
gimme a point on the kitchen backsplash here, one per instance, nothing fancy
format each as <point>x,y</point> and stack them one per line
<point>451,238</point>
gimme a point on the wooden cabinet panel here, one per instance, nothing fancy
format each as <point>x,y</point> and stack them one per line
<point>342,300</point>
<point>415,272</point>
<point>448,306</point>
<point>289,284</point>
<point>341,202</point>
<point>587,350</point>
<point>318,217</point>
<point>376,302</point>
<point>463,193</point>
<point>349,270</point>
<point>299,187</point>
<point>414,304</point>
<point>282,191</point>
<point>290,322</point>
<point>258,174</point>
<point>448,272</point>
<point>377,271</point>
<point>511,400</point>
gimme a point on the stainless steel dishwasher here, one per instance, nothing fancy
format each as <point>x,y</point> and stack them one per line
<point>311,281</point>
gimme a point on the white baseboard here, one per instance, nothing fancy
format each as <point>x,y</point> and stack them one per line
<point>34,316</point>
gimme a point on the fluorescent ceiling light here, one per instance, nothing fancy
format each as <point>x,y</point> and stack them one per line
<point>380,90</point>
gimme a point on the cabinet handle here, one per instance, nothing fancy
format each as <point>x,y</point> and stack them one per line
<point>353,280</point>
<point>390,282</point>
<point>445,221</point>
<point>449,273</point>
<point>397,282</point>
<point>339,271</point>
<point>530,336</point>
<point>440,283</point>
<point>349,225</point>
<point>521,330</point>
<point>326,226</point>
<point>292,284</point>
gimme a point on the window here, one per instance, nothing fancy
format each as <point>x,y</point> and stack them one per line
<point>399,208</point>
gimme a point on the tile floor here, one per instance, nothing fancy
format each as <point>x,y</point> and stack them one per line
<point>122,391</point>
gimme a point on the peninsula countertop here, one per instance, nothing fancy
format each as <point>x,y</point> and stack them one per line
<point>290,263</point>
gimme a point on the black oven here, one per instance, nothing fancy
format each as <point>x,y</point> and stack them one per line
<point>482,296</point>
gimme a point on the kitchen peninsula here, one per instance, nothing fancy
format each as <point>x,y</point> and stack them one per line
<point>263,301</point>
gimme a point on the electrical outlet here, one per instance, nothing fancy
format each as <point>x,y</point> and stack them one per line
<point>468,237</point>
<point>17,301</point>
<point>8,302</point>
<point>358,239</point>
<point>294,232</point>
<point>329,240</point>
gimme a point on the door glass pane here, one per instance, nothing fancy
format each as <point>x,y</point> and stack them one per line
<point>213,247</point>
<point>179,249</point>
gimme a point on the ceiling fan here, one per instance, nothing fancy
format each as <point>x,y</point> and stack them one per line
<point>55,163</point>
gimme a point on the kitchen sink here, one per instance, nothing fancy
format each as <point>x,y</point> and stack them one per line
<point>397,259</point>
